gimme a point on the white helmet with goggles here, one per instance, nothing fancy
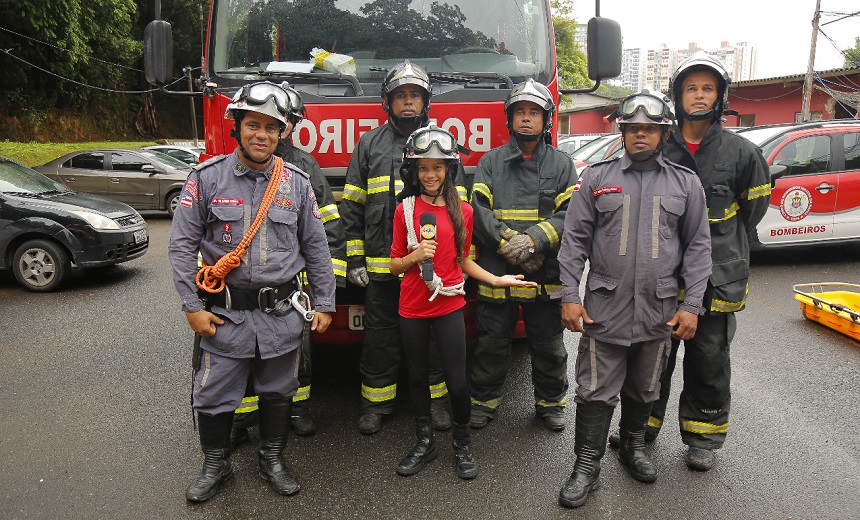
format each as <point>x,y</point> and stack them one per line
<point>530,90</point>
<point>646,106</point>
<point>263,97</point>
<point>428,142</point>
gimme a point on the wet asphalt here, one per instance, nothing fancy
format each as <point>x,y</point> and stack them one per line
<point>96,420</point>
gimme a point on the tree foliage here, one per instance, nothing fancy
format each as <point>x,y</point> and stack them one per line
<point>572,63</point>
<point>852,56</point>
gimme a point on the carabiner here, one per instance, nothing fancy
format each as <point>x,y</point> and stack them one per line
<point>301,302</point>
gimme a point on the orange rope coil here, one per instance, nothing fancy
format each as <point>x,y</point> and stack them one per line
<point>211,278</point>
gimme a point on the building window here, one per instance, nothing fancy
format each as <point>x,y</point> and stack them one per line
<point>813,116</point>
<point>746,120</point>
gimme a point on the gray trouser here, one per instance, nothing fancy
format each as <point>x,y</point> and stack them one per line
<point>604,371</point>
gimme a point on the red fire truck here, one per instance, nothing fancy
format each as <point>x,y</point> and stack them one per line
<point>474,51</point>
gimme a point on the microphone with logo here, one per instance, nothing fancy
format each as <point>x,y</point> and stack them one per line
<point>428,232</point>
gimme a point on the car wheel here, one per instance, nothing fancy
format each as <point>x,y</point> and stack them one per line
<point>171,203</point>
<point>41,265</point>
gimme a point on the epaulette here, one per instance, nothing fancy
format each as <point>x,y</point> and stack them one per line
<point>605,161</point>
<point>296,169</point>
<point>209,162</point>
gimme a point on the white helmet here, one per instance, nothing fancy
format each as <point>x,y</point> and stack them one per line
<point>263,97</point>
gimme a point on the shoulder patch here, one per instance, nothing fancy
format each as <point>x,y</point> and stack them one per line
<point>296,169</point>
<point>209,162</point>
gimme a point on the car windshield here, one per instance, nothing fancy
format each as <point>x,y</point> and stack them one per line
<point>758,136</point>
<point>509,38</point>
<point>164,159</point>
<point>586,150</point>
<point>15,178</point>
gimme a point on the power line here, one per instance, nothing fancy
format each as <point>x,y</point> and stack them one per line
<point>9,53</point>
<point>67,50</point>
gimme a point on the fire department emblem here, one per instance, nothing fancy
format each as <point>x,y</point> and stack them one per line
<point>795,204</point>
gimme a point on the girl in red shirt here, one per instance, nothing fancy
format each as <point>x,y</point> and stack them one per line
<point>430,162</point>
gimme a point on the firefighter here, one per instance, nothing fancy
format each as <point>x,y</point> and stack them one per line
<point>257,225</point>
<point>641,222</point>
<point>367,208</point>
<point>300,417</point>
<point>520,197</point>
<point>737,185</point>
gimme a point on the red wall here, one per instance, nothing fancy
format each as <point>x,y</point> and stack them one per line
<point>780,102</point>
<point>588,122</point>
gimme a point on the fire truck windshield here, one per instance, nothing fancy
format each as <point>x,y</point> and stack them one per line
<point>508,39</point>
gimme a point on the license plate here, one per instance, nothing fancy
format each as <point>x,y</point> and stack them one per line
<point>140,236</point>
<point>356,317</point>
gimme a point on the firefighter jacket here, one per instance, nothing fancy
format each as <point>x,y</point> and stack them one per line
<point>644,230</point>
<point>736,179</point>
<point>328,207</point>
<point>512,194</point>
<point>367,207</point>
<point>218,204</point>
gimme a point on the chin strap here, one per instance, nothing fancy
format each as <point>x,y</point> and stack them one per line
<point>700,115</point>
<point>434,285</point>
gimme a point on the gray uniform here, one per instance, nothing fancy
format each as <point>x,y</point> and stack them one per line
<point>646,235</point>
<point>218,204</point>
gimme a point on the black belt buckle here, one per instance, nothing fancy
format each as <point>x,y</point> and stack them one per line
<point>266,299</point>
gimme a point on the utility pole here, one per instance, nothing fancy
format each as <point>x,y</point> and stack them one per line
<point>807,84</point>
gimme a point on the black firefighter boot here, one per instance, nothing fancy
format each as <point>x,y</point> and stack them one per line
<point>215,443</point>
<point>423,452</point>
<point>631,451</point>
<point>274,424</point>
<point>592,428</point>
<point>464,459</point>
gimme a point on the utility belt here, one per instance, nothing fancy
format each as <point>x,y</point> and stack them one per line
<point>264,298</point>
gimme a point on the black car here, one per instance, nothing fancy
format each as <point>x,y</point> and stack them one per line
<point>45,229</point>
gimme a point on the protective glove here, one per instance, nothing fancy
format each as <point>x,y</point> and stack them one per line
<point>358,276</point>
<point>533,263</point>
<point>518,248</point>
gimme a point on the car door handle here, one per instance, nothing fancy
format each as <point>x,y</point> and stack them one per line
<point>114,180</point>
<point>70,179</point>
<point>824,188</point>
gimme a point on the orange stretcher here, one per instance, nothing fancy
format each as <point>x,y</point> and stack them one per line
<point>832,304</point>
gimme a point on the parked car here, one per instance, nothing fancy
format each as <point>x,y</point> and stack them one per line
<point>46,229</point>
<point>143,179</point>
<point>188,154</point>
<point>570,143</point>
<point>815,172</point>
<point>604,147</point>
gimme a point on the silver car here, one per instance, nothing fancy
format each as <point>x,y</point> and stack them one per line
<point>143,179</point>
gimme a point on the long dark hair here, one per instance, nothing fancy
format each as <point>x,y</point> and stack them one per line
<point>455,212</point>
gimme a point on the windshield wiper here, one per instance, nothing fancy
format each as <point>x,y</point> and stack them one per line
<point>55,192</point>
<point>352,80</point>
<point>462,77</point>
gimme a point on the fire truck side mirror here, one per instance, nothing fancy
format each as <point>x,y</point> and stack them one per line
<point>158,52</point>
<point>604,48</point>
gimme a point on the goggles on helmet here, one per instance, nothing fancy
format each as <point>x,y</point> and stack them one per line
<point>654,108</point>
<point>260,93</point>
<point>443,140</point>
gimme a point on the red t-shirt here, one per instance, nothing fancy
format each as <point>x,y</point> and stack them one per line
<point>414,294</point>
<point>693,147</point>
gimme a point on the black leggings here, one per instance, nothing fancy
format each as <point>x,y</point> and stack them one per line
<point>450,331</point>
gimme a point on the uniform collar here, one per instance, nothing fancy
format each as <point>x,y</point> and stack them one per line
<point>627,162</point>
<point>239,168</point>
<point>514,153</point>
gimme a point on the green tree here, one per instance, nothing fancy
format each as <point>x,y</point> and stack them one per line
<point>852,56</point>
<point>572,63</point>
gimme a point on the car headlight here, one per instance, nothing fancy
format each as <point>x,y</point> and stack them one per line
<point>97,220</point>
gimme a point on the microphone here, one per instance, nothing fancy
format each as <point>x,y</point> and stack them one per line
<point>428,232</point>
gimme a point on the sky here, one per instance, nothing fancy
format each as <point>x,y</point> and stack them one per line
<point>780,30</point>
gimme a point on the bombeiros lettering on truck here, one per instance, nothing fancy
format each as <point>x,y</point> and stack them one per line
<point>337,53</point>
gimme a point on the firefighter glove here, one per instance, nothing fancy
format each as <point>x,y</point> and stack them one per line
<point>533,263</point>
<point>358,276</point>
<point>518,248</point>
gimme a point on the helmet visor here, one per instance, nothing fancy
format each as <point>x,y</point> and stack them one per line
<point>653,107</point>
<point>422,142</point>
<point>260,93</point>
